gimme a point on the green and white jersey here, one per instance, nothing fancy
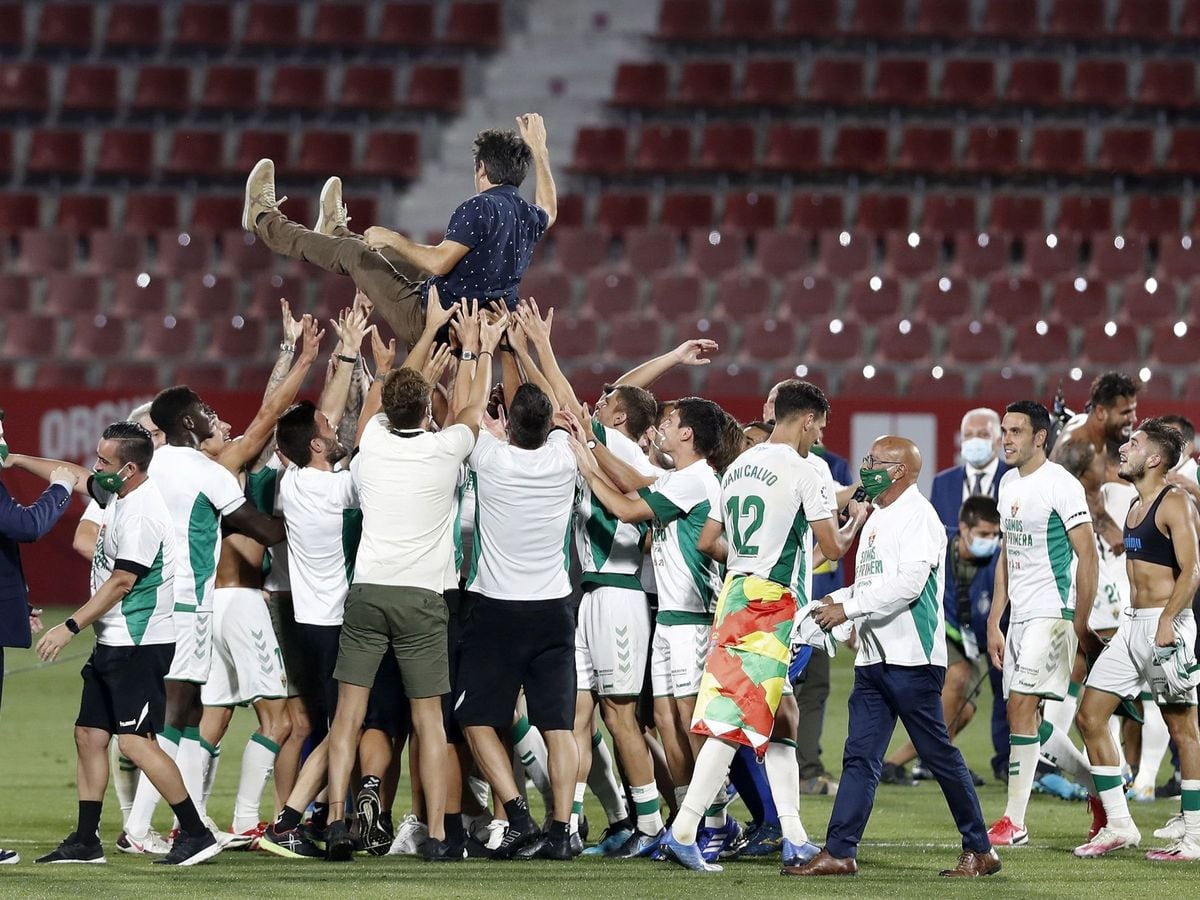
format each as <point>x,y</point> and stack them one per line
<point>688,580</point>
<point>262,487</point>
<point>1036,512</point>
<point>769,495</point>
<point>324,527</point>
<point>197,491</point>
<point>464,522</point>
<point>136,535</point>
<point>610,551</point>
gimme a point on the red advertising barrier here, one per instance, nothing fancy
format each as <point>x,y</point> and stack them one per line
<point>67,425</point>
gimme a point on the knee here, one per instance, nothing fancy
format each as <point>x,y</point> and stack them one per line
<point>1090,723</point>
<point>90,740</point>
<point>277,728</point>
<point>132,747</point>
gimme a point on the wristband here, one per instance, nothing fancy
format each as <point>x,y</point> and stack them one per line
<point>485,353</point>
<point>344,358</point>
<point>72,625</point>
<point>285,347</point>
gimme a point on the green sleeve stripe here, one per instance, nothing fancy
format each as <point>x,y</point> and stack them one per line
<point>664,510</point>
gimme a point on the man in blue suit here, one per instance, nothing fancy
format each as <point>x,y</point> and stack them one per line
<point>980,474</point>
<point>18,620</point>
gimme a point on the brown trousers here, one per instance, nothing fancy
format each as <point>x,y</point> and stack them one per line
<point>390,282</point>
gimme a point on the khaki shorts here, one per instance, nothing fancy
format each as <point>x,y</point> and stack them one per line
<point>412,621</point>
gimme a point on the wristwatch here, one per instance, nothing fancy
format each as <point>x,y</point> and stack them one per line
<point>469,356</point>
<point>591,445</point>
<point>72,626</point>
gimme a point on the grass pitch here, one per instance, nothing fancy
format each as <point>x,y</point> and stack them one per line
<point>909,838</point>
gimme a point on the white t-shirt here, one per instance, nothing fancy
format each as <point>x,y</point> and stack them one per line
<point>198,491</point>
<point>523,504</point>
<point>324,525</point>
<point>688,580</point>
<point>406,488</point>
<point>136,534</point>
<point>769,495</point>
<point>1036,512</point>
<point>264,487</point>
<point>895,602</point>
<point>94,513</point>
<point>610,551</point>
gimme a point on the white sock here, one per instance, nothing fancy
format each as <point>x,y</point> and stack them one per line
<point>1022,767</point>
<point>530,748</point>
<point>1155,741</point>
<point>258,761</point>
<point>212,759</point>
<point>1189,800</point>
<point>1057,749</point>
<point>1111,788</point>
<point>125,779</point>
<point>1114,730</point>
<point>602,779</point>
<point>480,790</point>
<point>1061,713</point>
<point>145,797</point>
<point>783,775</point>
<point>577,807</point>
<point>712,765</point>
<point>190,760</point>
<point>645,804</point>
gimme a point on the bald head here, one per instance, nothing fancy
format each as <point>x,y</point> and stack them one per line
<point>899,450</point>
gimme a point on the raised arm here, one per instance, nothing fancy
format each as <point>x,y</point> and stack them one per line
<point>533,132</point>
<point>518,340</point>
<point>52,470</point>
<point>484,333</point>
<point>385,357</point>
<point>350,328</point>
<point>435,318</point>
<point>538,331</point>
<point>689,353</point>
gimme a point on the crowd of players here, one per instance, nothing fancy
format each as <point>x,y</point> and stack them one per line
<point>426,558</point>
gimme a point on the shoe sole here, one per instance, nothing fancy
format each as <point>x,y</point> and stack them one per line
<point>247,225</point>
<point>10,861</point>
<point>281,851</point>
<point>1079,855</point>
<point>72,862</point>
<point>340,852</point>
<point>196,858</point>
<point>321,224</point>
<point>375,840</point>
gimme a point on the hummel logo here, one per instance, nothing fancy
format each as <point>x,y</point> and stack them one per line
<point>128,724</point>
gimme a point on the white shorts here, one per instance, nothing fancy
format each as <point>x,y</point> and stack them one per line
<point>612,641</point>
<point>1127,668</point>
<point>1111,600</point>
<point>1038,656</point>
<point>677,658</point>
<point>246,663</point>
<point>193,646</point>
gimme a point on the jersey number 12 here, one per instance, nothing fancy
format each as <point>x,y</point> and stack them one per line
<point>752,508</point>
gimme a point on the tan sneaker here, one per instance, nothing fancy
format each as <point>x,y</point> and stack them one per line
<point>333,211</point>
<point>260,194</point>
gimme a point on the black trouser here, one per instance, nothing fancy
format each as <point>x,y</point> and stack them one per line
<point>811,695</point>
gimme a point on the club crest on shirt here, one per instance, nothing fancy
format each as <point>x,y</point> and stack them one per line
<point>1015,508</point>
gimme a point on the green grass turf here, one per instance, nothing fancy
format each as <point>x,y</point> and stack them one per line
<point>909,838</point>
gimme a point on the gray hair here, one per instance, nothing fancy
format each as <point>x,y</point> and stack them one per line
<point>991,415</point>
<point>139,412</point>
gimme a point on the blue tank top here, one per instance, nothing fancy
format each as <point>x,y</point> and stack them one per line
<point>1146,543</point>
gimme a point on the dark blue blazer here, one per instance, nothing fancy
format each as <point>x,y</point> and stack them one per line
<point>980,594</point>
<point>22,524</point>
<point>947,494</point>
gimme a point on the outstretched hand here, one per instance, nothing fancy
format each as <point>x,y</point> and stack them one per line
<point>691,353</point>
<point>533,131</point>
<point>291,327</point>
<point>384,354</point>
<point>310,339</point>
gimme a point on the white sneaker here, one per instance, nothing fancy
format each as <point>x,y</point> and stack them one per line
<point>151,843</point>
<point>332,211</point>
<point>1174,830</point>
<point>9,857</point>
<point>1143,794</point>
<point>410,834</point>
<point>1107,840</point>
<point>225,839</point>
<point>1185,850</point>
<point>260,194</point>
<point>491,835</point>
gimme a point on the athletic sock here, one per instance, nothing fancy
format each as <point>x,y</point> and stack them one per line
<point>320,815</point>
<point>480,791</point>
<point>189,817</point>
<point>258,761</point>
<point>748,777</point>
<point>1022,767</point>
<point>645,804</point>
<point>125,779</point>
<point>1111,788</point>
<point>88,827</point>
<point>1061,713</point>
<point>1058,749</point>
<point>456,833</point>
<point>712,765</point>
<point>212,759</point>
<point>715,816</point>
<point>602,779</point>
<point>145,797</point>
<point>517,810</point>
<point>191,763</point>
<point>1189,802</point>
<point>1155,740</point>
<point>783,774</point>
<point>530,749</point>
<point>288,819</point>
<point>577,806</point>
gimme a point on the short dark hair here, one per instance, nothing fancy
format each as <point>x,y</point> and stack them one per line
<point>796,397</point>
<point>405,397</point>
<point>295,430</point>
<point>529,417</point>
<point>1039,416</point>
<point>768,427</point>
<point>979,508</point>
<point>731,445</point>
<point>1110,386</point>
<point>1166,438</point>
<point>171,405</point>
<point>505,156</point>
<point>134,444</point>
<point>707,421</point>
<point>1077,457</point>
<point>639,407</point>
<point>1182,424</point>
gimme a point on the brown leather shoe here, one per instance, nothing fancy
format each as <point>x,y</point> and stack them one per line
<point>824,864</point>
<point>974,865</point>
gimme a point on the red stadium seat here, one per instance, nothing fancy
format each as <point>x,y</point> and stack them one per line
<point>726,147</point>
<point>1077,19</point>
<point>1017,212</point>
<point>1143,19</point>
<point>748,20</point>
<point>202,376</point>
<point>1010,19</point>
<point>751,211</point>
<point>110,252</point>
<point>992,148</point>
<point>82,212</point>
<point>1041,339</point>
<point>835,340</point>
<point>943,19</point>
<point>1179,257</point>
<point>743,294</point>
<point>570,210</point>
<point>600,151</point>
<point>836,80</point>
<point>242,253</point>
<point>298,88</point>
<point>926,149</point>
<point>1013,295</point>
<point>1110,344</point>
<point>641,85</point>
<point>1117,256</point>
<point>145,212</point>
<point>1174,343</point>
<point>664,148</point>
<point>1153,214</point>
<point>6,154</point>
<point>322,152</point>
<point>809,18</point>
<point>129,376</point>
<point>793,148</point>
<point>609,291</point>
<point>808,296</point>
<point>648,250</point>
<point>732,381</point>
<point>255,145</point>
<point>904,339</point>
<point>1148,299</point>
<point>273,26</point>
<point>235,338</point>
<point>969,82</point>
<point>675,294</point>
<point>1085,213</point>
<point>1049,255</point>
<point>265,291</point>
<point>979,255</point>
<point>902,81</point>
<point>579,250</point>
<point>68,294</point>
<point>1034,82</point>
<point>1184,155</point>
<point>368,88</point>
<point>126,153</point>
<point>946,383</point>
<point>1079,300</point>
<point>405,25</point>
<point>684,20</point>
<point>196,154</point>
<point>859,148</point>
<point>1127,150</point>
<point>948,213</point>
<point>769,339</point>
<point>1101,82</point>
<point>942,299</point>
<point>714,252</point>
<point>873,297</point>
<point>55,375</point>
<point>911,254</point>
<point>1057,150</point>
<point>203,26</point>
<point>878,18</point>
<point>783,252</point>
<point>883,212</point>
<point>29,337</point>
<point>618,211</point>
<point>230,89</point>
<point>392,154</point>
<point>1168,82</point>
<point>179,252</point>
<point>134,26</point>
<point>1006,383</point>
<point>44,252</point>
<point>843,254</point>
<point>18,212</point>
<point>96,337</point>
<point>165,89</point>
<point>24,88</point>
<point>55,152</point>
<point>12,29</point>
<point>641,336</point>
<point>975,339</point>
<point>769,82</point>
<point>548,286</point>
<point>816,211</point>
<point>705,83</point>
<point>576,336</point>
<point>339,26</point>
<point>685,210</point>
<point>66,26</point>
<point>477,25</point>
<point>91,89</point>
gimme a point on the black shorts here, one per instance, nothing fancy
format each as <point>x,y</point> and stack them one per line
<point>510,644</point>
<point>387,707</point>
<point>454,607</point>
<point>123,689</point>
<point>319,647</point>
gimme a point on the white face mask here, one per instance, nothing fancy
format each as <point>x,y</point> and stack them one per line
<point>983,547</point>
<point>977,451</point>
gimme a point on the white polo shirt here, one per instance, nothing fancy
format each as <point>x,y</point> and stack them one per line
<point>324,526</point>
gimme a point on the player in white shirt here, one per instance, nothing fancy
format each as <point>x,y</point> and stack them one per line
<point>1046,526</point>
<point>130,607</point>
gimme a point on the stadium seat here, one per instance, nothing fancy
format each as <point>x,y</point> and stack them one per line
<point>129,376</point>
<point>926,149</point>
<point>1174,343</point>
<point>43,252</point>
<point>389,154</point>
<point>322,152</point>
<point>793,148</point>
<point>675,294</point>
<point>1178,257</point>
<point>843,254</point>
<point>1110,344</point>
<point>751,211</point>
<point>878,18</point>
<point>255,145</point>
<point>1117,256</point>
<point>1101,82</point>
<point>663,149</point>
<point>780,253</point>
<point>835,340</point>
<point>647,250</point>
<point>873,297</point>
<point>1189,21</point>
<point>110,252</point>
<point>902,81</point>
<point>570,210</point>
<point>266,289</point>
<point>12,28</point>
<point>609,291</point>
<point>767,338</point>
<point>1057,150</point>
<point>1148,20</point>
<point>18,212</point>
<point>910,254</point>
<point>705,83</point>
<point>91,89</point>
<point>82,212</point>
<point>405,25</point>
<point>474,25</point>
<point>134,26</point>
<point>714,252</point>
<point>1184,155</point>
<point>272,26</point>
<point>836,80</point>
<point>550,287</point>
<point>747,20</point>
<point>942,299</point>
<point>641,336</point>
<point>1153,214</point>
<point>66,27</point>
<point>69,294</point>
<point>883,212</point>
<point>55,151</point>
<point>58,375</point>
<point>235,338</point>
<point>368,88</point>
<point>974,339</point>
<point>992,149</point>
<point>96,337</point>
<point>817,211</point>
<point>944,385</point>
<point>24,88</point>
<point>1076,19</point>
<point>1085,213</point>
<point>806,296</point>
<point>943,19</point>
<point>6,154</point>
<point>126,153</point>
<point>147,212</point>
<point>29,337</point>
<point>620,210</point>
<point>732,381</point>
<point>948,213</point>
<point>641,85</point>
<point>203,26</point>
<point>743,293</point>
<point>1006,383</point>
<point>579,250</point>
<point>1078,300</point>
<point>1148,299</point>
<point>1017,212</point>
<point>576,336</point>
<point>979,255</point>
<point>684,20</point>
<point>242,253</point>
<point>768,82</point>
<point>15,296</point>
<point>1127,150</point>
<point>809,18</point>
<point>726,147</point>
<point>969,82</point>
<point>298,89</point>
<point>162,89</point>
<point>1011,296</point>
<point>180,252</point>
<point>1033,82</point>
<point>196,154</point>
<point>860,148</point>
<point>1169,83</point>
<point>683,210</point>
<point>1050,255</point>
<point>339,26</point>
<point>904,339</point>
<point>202,376</point>
<point>230,89</point>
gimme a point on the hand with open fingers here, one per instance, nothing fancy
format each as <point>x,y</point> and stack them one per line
<point>363,302</point>
<point>350,328</point>
<point>691,353</point>
<point>310,338</point>
<point>537,327</point>
<point>52,643</point>
<point>435,367</point>
<point>496,426</point>
<point>384,354</point>
<point>533,131</point>
<point>437,315</point>
<point>466,324</point>
<point>490,333</point>
<point>517,338</point>
<point>291,327</point>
